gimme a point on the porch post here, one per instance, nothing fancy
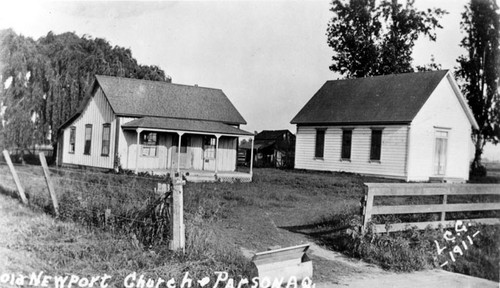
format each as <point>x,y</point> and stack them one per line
<point>179,153</point>
<point>251,157</point>
<point>217,136</point>
<point>138,150</point>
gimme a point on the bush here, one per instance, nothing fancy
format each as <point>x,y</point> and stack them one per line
<point>413,249</point>
<point>477,171</point>
<point>401,251</point>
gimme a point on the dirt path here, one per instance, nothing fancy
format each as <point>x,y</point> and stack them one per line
<point>377,278</point>
<point>331,269</point>
<point>336,270</point>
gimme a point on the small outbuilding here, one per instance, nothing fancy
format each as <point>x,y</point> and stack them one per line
<point>272,148</point>
<point>154,126</point>
<point>412,126</point>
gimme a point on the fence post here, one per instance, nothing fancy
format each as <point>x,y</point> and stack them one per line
<point>362,208</point>
<point>177,219</point>
<point>445,200</point>
<point>50,187</point>
<point>368,208</point>
<point>20,188</point>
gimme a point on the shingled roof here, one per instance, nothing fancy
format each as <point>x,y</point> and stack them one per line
<point>142,98</point>
<point>270,134</point>
<point>185,125</point>
<point>382,99</point>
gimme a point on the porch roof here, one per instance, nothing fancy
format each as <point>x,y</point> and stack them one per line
<point>185,125</point>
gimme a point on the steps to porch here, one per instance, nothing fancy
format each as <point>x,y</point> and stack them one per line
<point>442,179</point>
<point>197,176</point>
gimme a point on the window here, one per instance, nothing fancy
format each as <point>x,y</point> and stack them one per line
<point>185,142</point>
<point>376,145</point>
<point>72,136</point>
<point>346,144</point>
<point>149,143</point>
<point>320,143</point>
<point>88,139</point>
<point>209,147</point>
<point>106,129</point>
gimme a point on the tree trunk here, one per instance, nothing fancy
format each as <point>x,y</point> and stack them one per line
<point>21,157</point>
<point>53,159</point>
<point>478,143</point>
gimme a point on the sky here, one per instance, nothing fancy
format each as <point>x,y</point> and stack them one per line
<point>269,57</point>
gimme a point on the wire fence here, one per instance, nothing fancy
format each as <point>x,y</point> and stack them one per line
<point>121,203</point>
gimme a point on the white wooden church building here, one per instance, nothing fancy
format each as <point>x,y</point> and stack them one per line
<point>413,126</point>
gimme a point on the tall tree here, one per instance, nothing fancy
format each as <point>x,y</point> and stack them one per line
<point>20,66</point>
<point>479,71</point>
<point>48,80</point>
<point>371,39</point>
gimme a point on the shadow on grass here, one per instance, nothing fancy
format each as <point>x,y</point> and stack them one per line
<point>315,230</point>
<point>9,192</point>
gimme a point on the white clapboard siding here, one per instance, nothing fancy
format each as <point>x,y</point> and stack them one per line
<point>125,140</point>
<point>152,162</point>
<point>195,152</point>
<point>393,153</point>
<point>167,156</point>
<point>163,157</point>
<point>226,157</point>
<point>442,112</point>
<point>97,112</point>
<point>191,158</point>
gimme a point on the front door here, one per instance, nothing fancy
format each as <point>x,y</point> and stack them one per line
<point>440,153</point>
<point>209,153</point>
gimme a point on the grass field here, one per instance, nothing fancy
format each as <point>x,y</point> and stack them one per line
<point>493,169</point>
<point>492,173</point>
<point>222,217</point>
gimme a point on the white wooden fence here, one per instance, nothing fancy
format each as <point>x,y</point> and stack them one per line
<point>427,189</point>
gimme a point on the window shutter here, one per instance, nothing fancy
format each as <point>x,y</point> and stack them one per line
<point>106,129</point>
<point>376,145</point>
<point>346,144</point>
<point>88,139</point>
<point>320,143</point>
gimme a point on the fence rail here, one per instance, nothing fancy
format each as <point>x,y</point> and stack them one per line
<point>425,189</point>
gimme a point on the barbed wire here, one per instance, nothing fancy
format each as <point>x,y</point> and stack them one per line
<point>86,172</point>
<point>110,175</point>
<point>86,182</point>
<point>36,177</point>
<point>101,207</point>
<point>99,184</point>
<point>29,174</point>
<point>98,211</point>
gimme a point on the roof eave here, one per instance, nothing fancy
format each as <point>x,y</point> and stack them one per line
<point>132,127</point>
<point>142,115</point>
<point>81,109</point>
<point>358,123</point>
<point>96,81</point>
<point>463,102</point>
<point>139,124</point>
<point>69,121</point>
<point>305,113</point>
